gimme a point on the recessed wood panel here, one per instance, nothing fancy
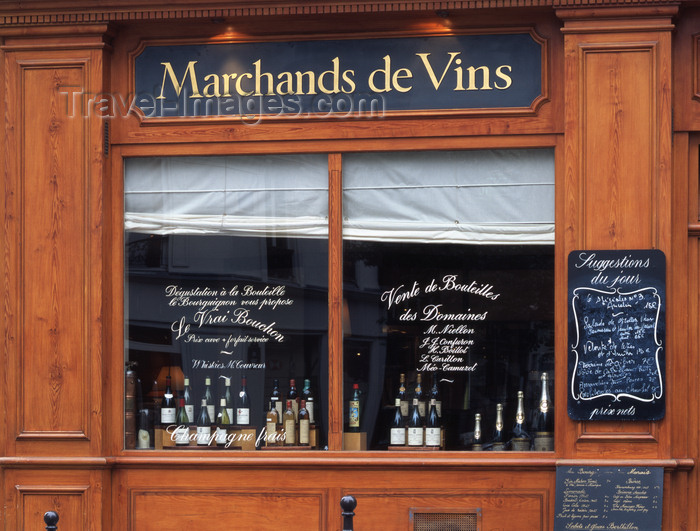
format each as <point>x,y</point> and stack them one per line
<point>618,151</point>
<point>53,258</point>
<point>187,508</point>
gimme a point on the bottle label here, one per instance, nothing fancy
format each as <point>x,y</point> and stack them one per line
<point>230,412</point>
<point>212,411</point>
<point>543,442</point>
<point>397,436</point>
<point>182,435</point>
<point>278,407</point>
<point>221,436</point>
<point>243,416</point>
<point>304,431</point>
<point>404,408</point>
<point>295,408</point>
<point>289,435</point>
<point>271,429</point>
<point>189,409</point>
<point>421,409</point>
<point>167,415</point>
<point>415,436</point>
<point>203,435</point>
<point>354,421</point>
<point>310,409</point>
<point>438,407</point>
<point>432,436</point>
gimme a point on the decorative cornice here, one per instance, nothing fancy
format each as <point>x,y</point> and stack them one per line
<point>63,12</point>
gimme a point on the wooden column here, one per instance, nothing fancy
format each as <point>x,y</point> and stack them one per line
<point>51,276</point>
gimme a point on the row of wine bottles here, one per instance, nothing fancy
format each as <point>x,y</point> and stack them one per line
<point>540,436</point>
<point>238,411</point>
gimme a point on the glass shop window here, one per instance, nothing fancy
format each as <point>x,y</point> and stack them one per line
<point>226,302</point>
<point>448,267</point>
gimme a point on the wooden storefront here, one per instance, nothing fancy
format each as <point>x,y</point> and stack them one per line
<point>618,109</point>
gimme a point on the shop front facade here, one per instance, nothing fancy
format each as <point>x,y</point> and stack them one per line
<point>439,256</point>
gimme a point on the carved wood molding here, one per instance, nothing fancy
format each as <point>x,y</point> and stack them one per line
<point>40,13</point>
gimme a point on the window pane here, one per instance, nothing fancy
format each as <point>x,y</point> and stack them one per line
<point>226,280</point>
<point>467,311</point>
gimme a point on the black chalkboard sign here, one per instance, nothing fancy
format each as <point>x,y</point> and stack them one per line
<point>616,365</point>
<point>607,498</point>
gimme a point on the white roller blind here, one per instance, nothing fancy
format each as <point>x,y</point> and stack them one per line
<point>285,195</point>
<point>484,196</point>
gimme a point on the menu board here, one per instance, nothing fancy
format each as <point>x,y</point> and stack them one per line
<point>608,498</point>
<point>616,362</point>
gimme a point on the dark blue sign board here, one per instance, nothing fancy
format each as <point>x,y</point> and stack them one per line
<point>339,77</point>
<point>608,498</point>
<point>616,361</point>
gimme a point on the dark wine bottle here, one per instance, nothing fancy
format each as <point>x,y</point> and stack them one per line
<point>414,432</point>
<point>397,431</point>
<point>420,396</point>
<point>435,395</point>
<point>498,441</point>
<point>168,410</point>
<point>403,396</point>
<point>276,399</point>
<point>289,425</point>
<point>182,432</point>
<point>223,424</point>
<point>243,407</point>
<point>354,409</point>
<point>308,396</point>
<point>520,439</point>
<point>543,429</point>
<point>189,401</point>
<point>432,426</point>
<point>304,424</point>
<point>477,441</point>
<point>229,399</point>
<point>204,425</point>
<point>293,395</point>
<point>209,398</point>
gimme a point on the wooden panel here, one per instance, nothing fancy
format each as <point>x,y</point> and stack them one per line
<point>192,508</point>
<point>52,251</point>
<point>618,122</point>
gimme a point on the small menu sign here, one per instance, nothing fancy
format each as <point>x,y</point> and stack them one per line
<point>616,361</point>
<point>608,498</point>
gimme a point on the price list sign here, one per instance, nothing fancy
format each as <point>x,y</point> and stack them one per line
<point>608,498</point>
<point>616,361</point>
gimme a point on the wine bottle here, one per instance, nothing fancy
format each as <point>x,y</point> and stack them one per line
<point>289,423</point>
<point>307,394</point>
<point>182,432</point>
<point>276,399</point>
<point>397,432</point>
<point>229,399</point>
<point>204,425</point>
<point>415,425</point>
<point>304,435</point>
<point>167,406</point>
<point>209,398</point>
<point>223,424</point>
<point>543,429</point>
<point>293,395</point>
<point>477,442</point>
<point>432,426</point>
<point>403,396</point>
<point>354,410</point>
<point>498,441</point>
<point>271,420</point>
<point>189,404</point>
<point>435,395</point>
<point>418,393</point>
<point>243,408</point>
<point>520,440</point>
